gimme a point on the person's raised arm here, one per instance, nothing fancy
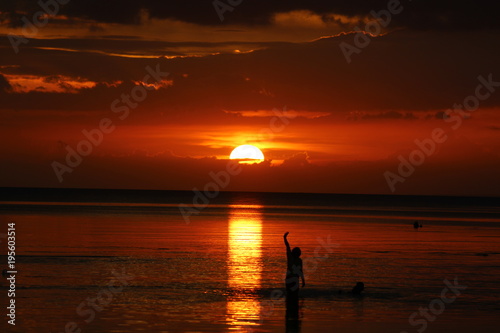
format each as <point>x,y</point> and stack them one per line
<point>286,243</point>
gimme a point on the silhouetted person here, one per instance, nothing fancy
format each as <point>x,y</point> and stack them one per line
<point>294,273</point>
<point>417,225</point>
<point>294,269</point>
<point>358,288</point>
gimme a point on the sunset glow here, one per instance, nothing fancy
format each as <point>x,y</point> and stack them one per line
<point>317,99</point>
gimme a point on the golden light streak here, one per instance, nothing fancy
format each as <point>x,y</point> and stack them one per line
<point>244,265</point>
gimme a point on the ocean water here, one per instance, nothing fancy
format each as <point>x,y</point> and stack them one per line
<point>129,262</point>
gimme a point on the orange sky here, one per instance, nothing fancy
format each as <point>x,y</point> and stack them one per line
<point>178,92</point>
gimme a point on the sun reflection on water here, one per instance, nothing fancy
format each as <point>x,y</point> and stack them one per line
<point>244,265</point>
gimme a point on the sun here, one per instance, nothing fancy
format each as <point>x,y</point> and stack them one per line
<point>247,154</point>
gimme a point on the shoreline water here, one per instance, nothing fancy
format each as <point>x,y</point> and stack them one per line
<point>218,273</point>
<point>174,196</point>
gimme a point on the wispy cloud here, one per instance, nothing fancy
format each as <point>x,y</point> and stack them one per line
<point>286,114</point>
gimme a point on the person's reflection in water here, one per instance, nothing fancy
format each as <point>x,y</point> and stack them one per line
<point>293,274</point>
<point>292,316</point>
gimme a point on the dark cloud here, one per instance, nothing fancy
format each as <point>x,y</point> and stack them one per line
<point>382,115</point>
<point>130,45</point>
<point>421,14</point>
<point>4,84</point>
<point>298,160</point>
<point>404,70</point>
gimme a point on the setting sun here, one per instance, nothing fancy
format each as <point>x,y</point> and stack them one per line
<point>247,154</point>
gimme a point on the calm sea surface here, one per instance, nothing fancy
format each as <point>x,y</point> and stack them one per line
<point>122,266</point>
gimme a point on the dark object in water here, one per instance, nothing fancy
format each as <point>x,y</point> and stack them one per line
<point>358,288</point>
<point>417,225</point>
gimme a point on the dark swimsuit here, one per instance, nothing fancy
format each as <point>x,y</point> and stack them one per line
<point>294,267</point>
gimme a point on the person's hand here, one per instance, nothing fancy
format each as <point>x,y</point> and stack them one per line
<point>286,234</point>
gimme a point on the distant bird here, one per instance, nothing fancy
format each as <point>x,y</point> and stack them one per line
<point>417,225</point>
